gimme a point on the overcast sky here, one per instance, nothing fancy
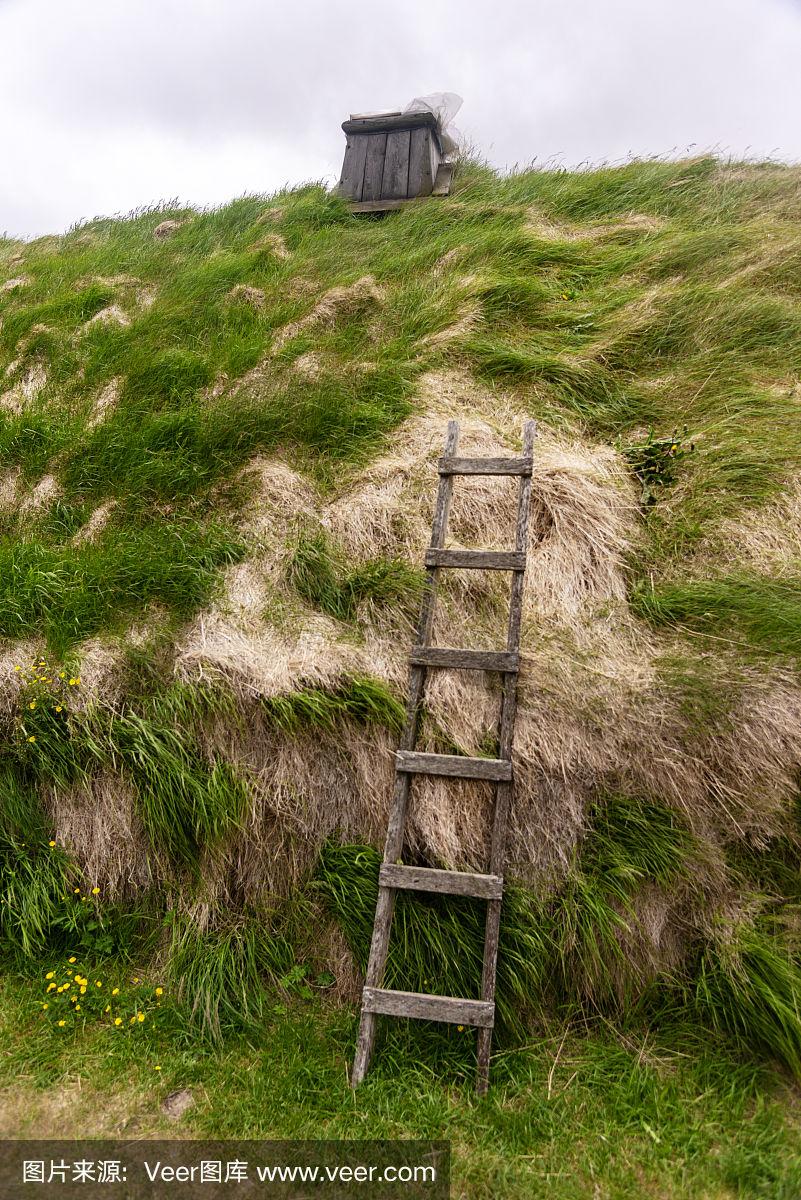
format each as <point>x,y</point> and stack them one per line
<point>110,104</point>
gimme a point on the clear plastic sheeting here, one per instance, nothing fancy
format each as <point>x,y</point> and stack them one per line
<point>444,106</point>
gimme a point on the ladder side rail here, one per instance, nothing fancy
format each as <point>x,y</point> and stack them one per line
<point>393,846</point>
<point>503,790</point>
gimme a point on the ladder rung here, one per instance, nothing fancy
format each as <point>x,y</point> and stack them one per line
<point>480,1013</point>
<point>459,765</point>
<point>485,466</point>
<point>464,660</point>
<point>478,560</point>
<point>449,883</point>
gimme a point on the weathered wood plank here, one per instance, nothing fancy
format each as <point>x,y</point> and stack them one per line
<point>484,466</point>
<point>477,560</point>
<point>442,183</point>
<point>364,125</point>
<point>395,181</point>
<point>370,206</point>
<point>396,825</point>
<point>460,766</point>
<point>448,883</point>
<point>374,165</point>
<point>421,177</point>
<point>465,660</point>
<point>503,792</point>
<point>429,1008</point>
<point>352,180</point>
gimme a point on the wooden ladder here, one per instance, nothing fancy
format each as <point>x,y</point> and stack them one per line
<point>393,876</point>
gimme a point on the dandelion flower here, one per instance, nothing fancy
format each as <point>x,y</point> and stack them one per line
<point>62,1022</point>
<point>95,891</point>
<point>77,1008</point>
<point>45,1006</point>
<point>59,707</point>
<point>76,890</point>
<point>49,974</point>
<point>51,844</point>
<point>118,1020</point>
<point>140,1016</point>
<point>159,991</point>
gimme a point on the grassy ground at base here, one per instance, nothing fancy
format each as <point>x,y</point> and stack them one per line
<point>577,1113</point>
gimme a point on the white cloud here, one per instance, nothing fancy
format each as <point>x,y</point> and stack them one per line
<point>109,104</point>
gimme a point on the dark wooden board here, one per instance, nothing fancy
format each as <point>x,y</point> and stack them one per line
<point>484,466</point>
<point>429,1008</point>
<point>421,178</point>
<point>372,206</point>
<point>395,180</point>
<point>464,660</point>
<point>477,560</point>
<point>460,766</point>
<point>352,180</point>
<point>448,883</point>
<point>442,183</point>
<point>366,125</point>
<point>374,166</point>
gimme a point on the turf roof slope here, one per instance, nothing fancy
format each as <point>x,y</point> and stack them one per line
<point>217,462</point>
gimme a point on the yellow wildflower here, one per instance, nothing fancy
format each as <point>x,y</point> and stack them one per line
<point>159,991</point>
<point>49,974</point>
<point>31,738</point>
<point>157,1068</point>
<point>140,1016</point>
<point>59,707</point>
<point>114,991</point>
<point>98,983</point>
<point>77,1008</point>
<point>118,1020</point>
<point>32,704</point>
<point>62,1022</point>
<point>51,844</point>
<point>95,891</point>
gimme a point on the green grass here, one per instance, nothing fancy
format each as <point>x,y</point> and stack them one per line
<point>684,318</point>
<point>323,577</point>
<point>758,611</point>
<point>579,1112</point>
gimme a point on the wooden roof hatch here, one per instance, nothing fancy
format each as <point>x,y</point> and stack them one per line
<point>394,157</point>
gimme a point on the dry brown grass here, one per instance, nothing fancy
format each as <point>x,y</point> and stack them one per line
<point>597,709</point>
<point>358,297</point>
